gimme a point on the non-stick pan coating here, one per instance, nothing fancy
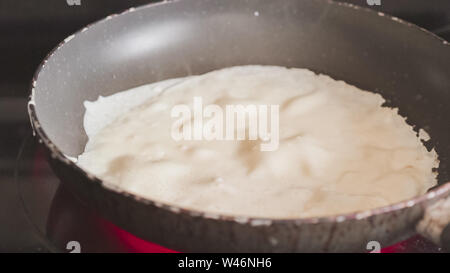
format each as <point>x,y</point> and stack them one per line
<point>408,66</point>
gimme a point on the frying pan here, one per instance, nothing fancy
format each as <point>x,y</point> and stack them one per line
<point>409,66</point>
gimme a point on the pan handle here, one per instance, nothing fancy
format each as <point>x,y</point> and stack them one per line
<point>435,225</point>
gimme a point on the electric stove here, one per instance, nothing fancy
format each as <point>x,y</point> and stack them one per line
<point>58,218</point>
<point>37,212</point>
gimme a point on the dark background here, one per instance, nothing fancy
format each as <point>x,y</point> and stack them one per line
<point>29,29</point>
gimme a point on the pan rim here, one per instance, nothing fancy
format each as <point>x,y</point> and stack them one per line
<point>437,193</point>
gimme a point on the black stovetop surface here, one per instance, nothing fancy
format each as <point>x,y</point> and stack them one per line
<point>28,188</point>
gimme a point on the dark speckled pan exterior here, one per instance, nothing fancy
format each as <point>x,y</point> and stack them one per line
<point>409,66</point>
